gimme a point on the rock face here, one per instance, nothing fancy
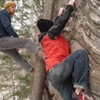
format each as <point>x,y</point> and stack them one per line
<point>82,31</point>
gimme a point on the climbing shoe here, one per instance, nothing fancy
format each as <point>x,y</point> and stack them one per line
<point>84,95</point>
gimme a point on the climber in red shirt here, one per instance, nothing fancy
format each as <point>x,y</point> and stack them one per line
<point>67,73</point>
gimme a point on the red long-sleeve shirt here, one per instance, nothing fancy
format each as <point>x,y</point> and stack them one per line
<point>54,50</point>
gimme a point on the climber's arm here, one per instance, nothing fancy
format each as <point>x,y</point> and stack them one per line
<point>61,20</point>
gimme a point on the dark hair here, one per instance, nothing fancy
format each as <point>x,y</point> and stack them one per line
<point>44,25</point>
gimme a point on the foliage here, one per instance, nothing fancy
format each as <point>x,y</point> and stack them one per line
<point>24,88</point>
<point>12,79</point>
<point>15,83</point>
<point>1,4</point>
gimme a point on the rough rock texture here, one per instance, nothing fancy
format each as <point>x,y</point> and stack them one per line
<point>82,31</point>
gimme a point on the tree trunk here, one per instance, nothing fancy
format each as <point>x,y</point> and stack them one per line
<point>82,31</point>
<point>38,78</point>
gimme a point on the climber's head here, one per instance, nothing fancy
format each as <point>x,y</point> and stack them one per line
<point>10,6</point>
<point>44,25</point>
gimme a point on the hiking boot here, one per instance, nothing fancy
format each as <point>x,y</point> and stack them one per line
<point>83,95</point>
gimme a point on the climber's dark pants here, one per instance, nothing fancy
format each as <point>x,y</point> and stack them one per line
<point>8,45</point>
<point>70,73</point>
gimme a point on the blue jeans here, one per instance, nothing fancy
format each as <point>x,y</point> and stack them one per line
<point>70,73</point>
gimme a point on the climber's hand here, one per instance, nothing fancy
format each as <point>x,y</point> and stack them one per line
<point>72,2</point>
<point>61,10</point>
<point>21,36</point>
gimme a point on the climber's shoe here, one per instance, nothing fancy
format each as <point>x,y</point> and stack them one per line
<point>84,95</point>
